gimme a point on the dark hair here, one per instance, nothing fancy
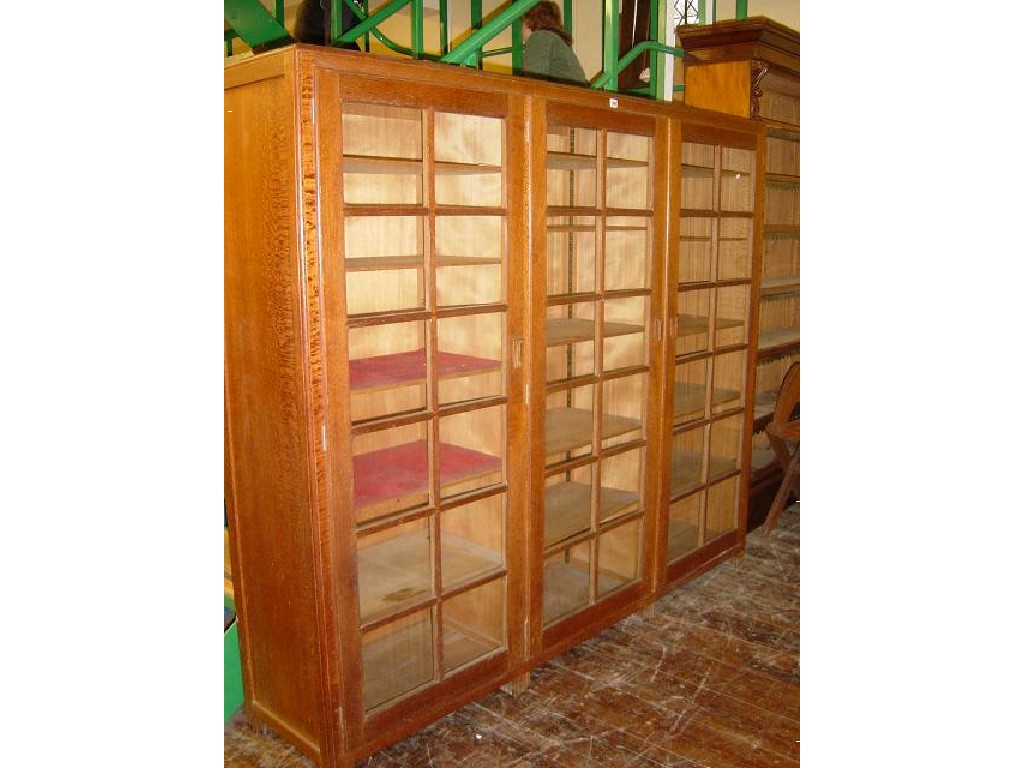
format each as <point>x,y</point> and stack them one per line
<point>546,15</point>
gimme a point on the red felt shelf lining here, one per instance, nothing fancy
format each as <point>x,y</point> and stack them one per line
<point>391,473</point>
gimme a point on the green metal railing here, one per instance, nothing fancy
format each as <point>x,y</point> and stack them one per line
<point>252,22</point>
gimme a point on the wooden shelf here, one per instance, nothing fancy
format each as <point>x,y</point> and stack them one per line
<point>697,171</point>
<point>625,162</point>
<point>397,477</point>
<point>571,330</point>
<point>684,474</point>
<point>776,129</point>
<point>781,179</point>
<point>397,572</point>
<point>773,340</point>
<point>689,398</point>
<point>567,509</point>
<point>568,428</point>
<point>412,261</point>
<point>682,538</point>
<point>772,286</point>
<point>781,230</point>
<point>384,165</point>
<point>565,161</point>
<point>447,168</point>
<point>691,325</point>
<point>395,370</point>
<point>764,407</point>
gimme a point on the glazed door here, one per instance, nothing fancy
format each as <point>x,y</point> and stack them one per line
<point>593,514</point>
<point>417,249</point>
<point>710,352</point>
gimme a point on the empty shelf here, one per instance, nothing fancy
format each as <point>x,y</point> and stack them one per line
<point>690,397</point>
<point>690,325</point>
<point>384,165</point>
<point>569,428</point>
<point>567,509</point>
<point>402,368</point>
<point>564,161</point>
<point>779,338</point>
<point>569,330</point>
<point>684,474</point>
<point>786,284</point>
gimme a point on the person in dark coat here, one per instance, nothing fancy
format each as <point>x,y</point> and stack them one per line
<point>313,23</point>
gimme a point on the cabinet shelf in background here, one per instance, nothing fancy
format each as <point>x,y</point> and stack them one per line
<point>684,474</point>
<point>779,130</point>
<point>771,286</point>
<point>775,341</point>
<point>394,478</point>
<point>781,180</point>
<point>566,161</point>
<point>689,398</point>
<point>384,165</point>
<point>413,261</point>
<point>567,509</point>
<point>570,330</point>
<point>690,325</point>
<point>781,230</point>
<point>566,429</point>
<point>384,371</point>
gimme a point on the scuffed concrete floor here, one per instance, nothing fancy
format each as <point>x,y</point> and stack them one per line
<point>712,679</point>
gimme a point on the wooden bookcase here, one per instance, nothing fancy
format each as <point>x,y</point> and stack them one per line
<point>751,67</point>
<point>482,401</point>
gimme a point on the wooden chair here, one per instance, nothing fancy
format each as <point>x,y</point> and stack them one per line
<point>784,435</point>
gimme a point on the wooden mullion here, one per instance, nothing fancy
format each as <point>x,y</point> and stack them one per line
<point>385,318</point>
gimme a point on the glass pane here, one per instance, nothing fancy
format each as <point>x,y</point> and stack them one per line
<point>694,321</point>
<point>683,522</point>
<point>624,408</point>
<point>572,264</point>
<point>689,401</point>
<point>618,557</point>
<point>567,581</point>
<point>572,166</point>
<point>390,471</point>
<point>695,239</point>
<point>473,624</point>
<point>735,248</point>
<point>687,470</point>
<point>567,505</point>
<point>627,254</point>
<point>469,260</point>
<point>628,181</point>
<point>383,274</point>
<point>395,569</point>
<point>397,658</point>
<point>731,308</point>
<point>625,340</point>
<point>469,150</point>
<point>726,443</point>
<point>569,424</point>
<point>698,177</point>
<point>729,381</point>
<point>723,505</point>
<point>387,370</point>
<point>383,149</point>
<point>472,540</point>
<point>472,450</point>
<point>621,484</point>
<point>737,179</point>
<point>570,340</point>
<point>469,357</point>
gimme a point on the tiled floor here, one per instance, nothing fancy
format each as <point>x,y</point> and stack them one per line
<point>713,679</point>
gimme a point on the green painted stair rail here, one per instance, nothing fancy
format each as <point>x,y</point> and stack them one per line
<point>253,23</point>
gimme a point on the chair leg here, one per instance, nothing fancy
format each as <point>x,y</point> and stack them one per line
<point>782,495</point>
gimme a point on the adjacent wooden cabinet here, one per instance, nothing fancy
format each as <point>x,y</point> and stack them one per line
<point>751,68</point>
<point>489,376</point>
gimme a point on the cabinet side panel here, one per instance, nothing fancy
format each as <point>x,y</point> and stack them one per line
<point>721,87</point>
<point>269,494</point>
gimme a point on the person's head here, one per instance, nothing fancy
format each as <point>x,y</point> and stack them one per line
<point>546,15</point>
